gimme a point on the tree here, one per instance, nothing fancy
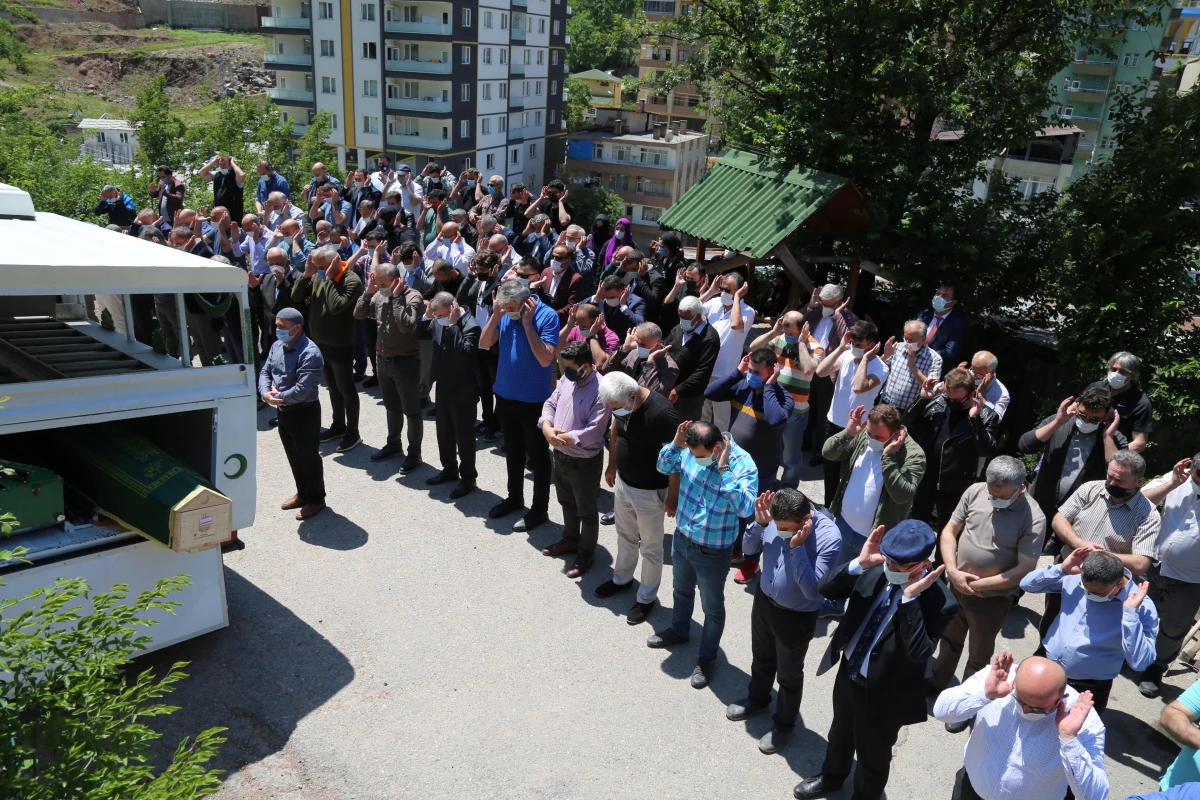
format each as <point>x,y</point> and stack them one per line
<point>312,148</point>
<point>603,34</point>
<point>590,202</point>
<point>860,90</point>
<point>12,49</point>
<point>161,130</point>
<point>579,102</point>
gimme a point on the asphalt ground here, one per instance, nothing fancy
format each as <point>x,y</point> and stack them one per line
<point>399,645</point>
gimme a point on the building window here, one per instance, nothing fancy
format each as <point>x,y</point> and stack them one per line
<point>1112,114</point>
<point>553,87</point>
<point>554,28</point>
<point>541,25</point>
<point>502,124</point>
<point>619,183</point>
<point>526,56</point>
<point>485,126</point>
<point>370,51</point>
<point>553,58</point>
<point>683,55</point>
<point>327,48</point>
<point>524,88</point>
<point>486,55</point>
<point>1124,86</point>
<point>516,156</point>
<point>487,19</point>
<point>503,55</point>
<point>503,21</point>
<point>466,18</point>
<point>1068,112</point>
<point>503,89</point>
<point>370,124</point>
<point>551,116</point>
<point>1130,60</point>
<point>333,121</point>
<point>533,150</point>
<point>490,161</point>
<point>328,85</point>
<point>370,88</point>
<point>445,132</point>
<point>465,93</point>
<point>537,118</point>
<point>651,186</point>
<point>541,57</point>
<point>368,12</point>
<point>651,214</point>
<point>485,91</point>
<point>466,55</point>
<point>657,158</point>
<point>622,152</point>
<point>324,10</point>
<point>464,129</point>
<point>524,118</point>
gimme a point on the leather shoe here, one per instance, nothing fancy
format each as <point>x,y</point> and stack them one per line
<point>386,452</point>
<point>702,674</point>
<point>773,740</point>
<point>608,519</point>
<point>610,587</point>
<point>505,507</point>
<point>292,502</point>
<point>329,434</point>
<point>464,488</point>
<point>309,510</point>
<point>410,463</point>
<point>744,708</point>
<point>529,522</point>
<point>958,727</point>
<point>559,548</point>
<point>665,639</point>
<point>583,562</point>
<point>442,477</point>
<point>370,383</point>
<point>814,787</point>
<point>639,613</point>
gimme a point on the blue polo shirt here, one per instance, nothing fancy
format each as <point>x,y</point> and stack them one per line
<point>275,183</point>
<point>519,376</point>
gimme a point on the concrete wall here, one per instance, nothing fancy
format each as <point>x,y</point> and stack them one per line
<point>129,20</point>
<point>191,14</point>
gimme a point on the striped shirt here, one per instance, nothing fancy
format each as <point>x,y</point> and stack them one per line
<point>711,501</point>
<point>791,377</point>
<point>1129,528</point>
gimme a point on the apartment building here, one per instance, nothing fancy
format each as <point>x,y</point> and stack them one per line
<point>681,103</point>
<point>466,84</point>
<point>650,171</point>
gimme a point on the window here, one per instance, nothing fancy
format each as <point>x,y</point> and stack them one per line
<point>100,137</point>
<point>464,129</point>
<point>1124,86</point>
<point>466,163</point>
<point>486,55</point>
<point>485,91</point>
<point>368,12</point>
<point>124,138</point>
<point>503,90</point>
<point>1068,112</point>
<point>1112,114</point>
<point>537,118</point>
<point>445,131</point>
<point>526,56</point>
<point>466,18</point>
<point>683,55</point>
<point>466,55</point>
<point>619,183</point>
<point>487,19</point>
<point>553,58</point>
<point>622,152</point>
<point>516,155</point>
<point>541,25</point>
<point>652,187</point>
<point>307,47</point>
<point>370,88</point>
<point>370,125</point>
<point>370,50</point>
<point>554,28</point>
<point>657,158</point>
<point>533,151</point>
<point>328,85</point>
<point>465,93</point>
<point>524,88</point>
<point>333,121</point>
<point>327,48</point>
<point>485,126</point>
<point>503,55</point>
<point>553,87</point>
<point>490,161</point>
<point>651,214</point>
<point>325,10</point>
<point>503,21</point>
<point>524,118</point>
<point>541,57</point>
<point>551,116</point>
<point>1130,60</point>
<point>502,124</point>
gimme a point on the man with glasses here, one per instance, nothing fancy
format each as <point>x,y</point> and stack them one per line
<point>1034,737</point>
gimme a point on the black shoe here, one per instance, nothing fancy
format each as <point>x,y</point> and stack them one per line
<point>505,507</point>
<point>329,434</point>
<point>464,488</point>
<point>273,422</point>
<point>774,740</point>
<point>608,519</point>
<point>490,436</point>
<point>410,463</point>
<point>958,727</point>
<point>815,461</point>
<point>608,588</point>
<point>370,383</point>
<point>702,674</point>
<point>442,477</point>
<point>348,443</point>
<point>665,639</point>
<point>360,378</point>
<point>529,522</point>
<point>1151,683</point>
<point>431,412</point>
<point>744,708</point>
<point>386,452</point>
<point>814,787</point>
<point>639,613</point>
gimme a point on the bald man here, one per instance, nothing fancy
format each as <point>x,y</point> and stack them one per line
<point>500,245</point>
<point>995,396</point>
<point>451,246</point>
<point>1034,735</point>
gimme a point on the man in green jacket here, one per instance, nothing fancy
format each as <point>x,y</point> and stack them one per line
<point>881,470</point>
<point>332,290</point>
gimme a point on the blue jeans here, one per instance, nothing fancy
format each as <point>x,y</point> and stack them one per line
<point>706,567</point>
<point>793,436</point>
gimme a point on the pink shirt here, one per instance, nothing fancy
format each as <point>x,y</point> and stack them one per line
<point>608,341</point>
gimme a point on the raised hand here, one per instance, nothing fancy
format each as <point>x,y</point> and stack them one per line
<point>661,351</point>
<point>625,295</point>
<point>1074,561</point>
<point>399,286</point>
<point>1134,600</point>
<point>889,348</point>
<point>802,534</point>
<point>929,388</point>
<point>774,374</point>
<point>846,343</point>
<point>870,556</point>
<point>680,431</point>
<point>597,326</point>
<point>744,365</point>
<point>1065,411</point>
<point>845,304</point>
<point>742,292</point>
<point>1111,430</point>
<point>1181,471</point>
<point>898,440</point>
<point>916,587</point>
<point>976,405</point>
<point>762,508</point>
<point>1071,722</point>
<point>997,683</point>
<point>630,342</point>
<point>723,460</point>
<point>855,424</point>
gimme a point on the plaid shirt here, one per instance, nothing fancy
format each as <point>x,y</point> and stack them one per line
<point>902,389</point>
<point>711,501</point>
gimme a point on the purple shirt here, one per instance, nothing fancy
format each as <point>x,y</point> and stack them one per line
<point>608,339</point>
<point>578,410</point>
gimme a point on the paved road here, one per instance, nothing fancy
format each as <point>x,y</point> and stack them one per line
<point>400,646</point>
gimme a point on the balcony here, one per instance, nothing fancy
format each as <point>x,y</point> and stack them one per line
<point>294,95</point>
<point>1081,118</point>
<point>516,102</point>
<point>287,59</point>
<point>1088,94</point>
<point>426,67</point>
<point>658,6</point>
<point>1093,66</point>
<point>288,23</point>
<point>516,133</point>
<point>428,28</point>
<point>517,34</point>
<point>299,130</point>
<point>1023,157</point>
<point>420,104</point>
<point>406,142</point>
<point>516,69</point>
<point>520,3</point>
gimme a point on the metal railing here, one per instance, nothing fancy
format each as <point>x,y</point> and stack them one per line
<point>411,65</point>
<point>517,34</point>
<point>435,28</point>
<point>516,69</point>
<point>1084,90</point>
<point>410,142</point>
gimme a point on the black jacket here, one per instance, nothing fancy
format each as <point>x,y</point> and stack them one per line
<point>454,355</point>
<point>652,288</point>
<point>896,670</point>
<point>696,359</point>
<point>479,293</point>
<point>950,339</point>
<point>1045,486</point>
<point>968,447</point>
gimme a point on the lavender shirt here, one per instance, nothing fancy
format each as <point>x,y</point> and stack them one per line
<point>577,409</point>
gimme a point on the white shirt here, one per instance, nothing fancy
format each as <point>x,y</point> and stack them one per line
<point>1008,756</point>
<point>457,253</point>
<point>845,399</point>
<point>863,491</point>
<point>732,341</point>
<point>996,397</point>
<point>822,331</point>
<point>854,568</point>
<point>1178,545</point>
<point>555,280</point>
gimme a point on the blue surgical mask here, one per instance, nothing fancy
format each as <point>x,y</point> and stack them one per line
<point>282,335</point>
<point>662,252</point>
<point>492,191</point>
<point>754,380</point>
<point>644,352</point>
<point>524,282</point>
<point>221,171</point>
<point>939,303</point>
<point>787,337</point>
<point>470,184</point>
<point>622,412</point>
<point>1098,598</point>
<point>321,274</point>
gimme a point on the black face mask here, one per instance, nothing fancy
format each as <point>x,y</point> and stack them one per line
<point>1117,492</point>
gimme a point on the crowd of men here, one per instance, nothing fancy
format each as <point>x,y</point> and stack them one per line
<point>598,364</point>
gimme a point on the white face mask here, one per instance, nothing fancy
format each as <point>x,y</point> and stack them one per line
<point>612,301</point>
<point>1099,598</point>
<point>726,299</point>
<point>895,576</point>
<point>1002,503</point>
<point>1195,488</point>
<point>1116,380</point>
<point>827,311</point>
<point>875,444</point>
<point>978,382</point>
<point>556,265</point>
<point>385,292</point>
<point>858,352</point>
<point>1086,427</point>
<point>443,320</point>
<point>513,315</point>
<point>913,347</point>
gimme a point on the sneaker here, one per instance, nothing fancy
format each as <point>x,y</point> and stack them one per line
<point>639,613</point>
<point>1151,683</point>
<point>747,572</point>
<point>609,588</point>
<point>480,427</point>
<point>490,435</point>
<point>348,443</point>
<point>329,434</point>
<point>832,608</point>
<point>608,519</point>
<point>370,383</point>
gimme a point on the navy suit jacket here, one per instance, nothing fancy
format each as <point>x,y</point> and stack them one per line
<point>950,339</point>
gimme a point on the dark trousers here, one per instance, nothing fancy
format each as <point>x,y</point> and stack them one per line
<point>486,363</point>
<point>143,318</point>
<point>339,380</point>
<point>262,327</point>
<point>523,438</point>
<point>820,395</point>
<point>833,469</point>
<point>963,790</point>
<point>360,344</point>
<point>689,407</point>
<point>300,432</point>
<point>1100,690</point>
<point>371,335</point>
<point>779,640</point>
<point>857,730</point>
<point>455,424</point>
<point>577,483</point>
<point>982,618</point>
<point>1177,602</point>
<point>399,385</point>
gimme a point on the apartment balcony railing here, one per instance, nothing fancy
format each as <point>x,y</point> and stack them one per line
<point>432,28</point>
<point>419,104</point>
<point>516,133</point>
<point>1084,90</point>
<point>1095,62</point>
<point>410,142</point>
<point>1082,118</point>
<point>294,23</point>
<point>516,102</point>
<point>517,34</point>
<point>658,6</point>
<point>299,130</point>
<point>297,59</point>
<point>412,65</point>
<point>624,162</point>
<point>300,95</point>
<point>1023,157</point>
<point>520,3</point>
<point>516,69</point>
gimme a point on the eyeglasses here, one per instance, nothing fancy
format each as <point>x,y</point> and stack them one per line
<point>1083,416</point>
<point>1028,709</point>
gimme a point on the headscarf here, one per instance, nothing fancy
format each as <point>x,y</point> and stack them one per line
<point>601,233</point>
<point>613,244</point>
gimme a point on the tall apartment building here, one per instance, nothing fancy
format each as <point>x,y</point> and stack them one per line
<point>679,104</point>
<point>466,84</point>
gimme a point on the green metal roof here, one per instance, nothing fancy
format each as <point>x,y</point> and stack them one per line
<point>596,75</point>
<point>746,206</point>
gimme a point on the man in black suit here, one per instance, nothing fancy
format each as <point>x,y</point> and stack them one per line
<point>694,345</point>
<point>945,327</point>
<point>897,612</point>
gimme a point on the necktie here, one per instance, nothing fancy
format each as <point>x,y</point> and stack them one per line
<point>933,329</point>
<point>870,629</point>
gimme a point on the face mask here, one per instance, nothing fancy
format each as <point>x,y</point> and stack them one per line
<point>321,274</point>
<point>1098,598</point>
<point>978,382</point>
<point>858,352</point>
<point>1117,492</point>
<point>827,311</point>
<point>1030,716</point>
<point>687,324</point>
<point>492,191</point>
<point>385,292</point>
<point>622,412</point>
<point>754,380</point>
<point>442,320</point>
<point>894,576</point>
<point>360,184</point>
<point>913,347</point>
<point>221,171</point>
<point>704,461</point>
<point>662,252</point>
<point>572,374</point>
<point>1086,427</point>
<point>726,299</point>
<point>282,335</point>
<point>1001,503</point>
<point>619,235</point>
<point>644,352</point>
<point>1116,380</point>
<point>513,315</point>
<point>939,303</point>
<point>470,184</point>
<point>787,337</point>
<point>524,282</point>
<point>875,444</point>
<point>556,265</point>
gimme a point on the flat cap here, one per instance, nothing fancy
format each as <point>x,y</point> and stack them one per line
<point>291,315</point>
<point>908,542</point>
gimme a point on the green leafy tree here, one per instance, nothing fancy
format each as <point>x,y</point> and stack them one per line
<point>603,34</point>
<point>311,147</point>
<point>162,130</point>
<point>589,202</point>
<point>12,49</point>
<point>579,102</point>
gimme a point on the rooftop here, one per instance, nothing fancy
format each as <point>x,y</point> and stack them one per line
<point>645,138</point>
<point>107,123</point>
<point>596,75</point>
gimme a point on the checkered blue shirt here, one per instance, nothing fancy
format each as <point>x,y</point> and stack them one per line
<point>711,501</point>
